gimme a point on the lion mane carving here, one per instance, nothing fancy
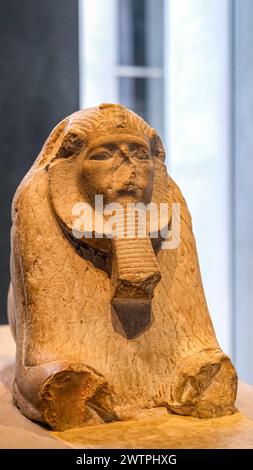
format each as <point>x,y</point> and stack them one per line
<point>108,329</point>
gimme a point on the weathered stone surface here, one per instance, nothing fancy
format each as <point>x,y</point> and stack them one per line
<point>153,432</point>
<point>117,328</point>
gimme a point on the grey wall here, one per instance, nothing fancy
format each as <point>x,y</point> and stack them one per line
<point>243,184</point>
<point>38,87</point>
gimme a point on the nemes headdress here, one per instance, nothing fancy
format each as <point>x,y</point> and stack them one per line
<point>76,131</point>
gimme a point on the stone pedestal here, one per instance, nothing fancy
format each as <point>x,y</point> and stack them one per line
<point>164,431</point>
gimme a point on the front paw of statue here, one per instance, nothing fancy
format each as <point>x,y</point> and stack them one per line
<point>63,396</point>
<point>204,385</point>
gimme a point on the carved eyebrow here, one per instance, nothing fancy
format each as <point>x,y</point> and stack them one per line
<point>104,147</point>
<point>133,146</point>
<point>110,146</point>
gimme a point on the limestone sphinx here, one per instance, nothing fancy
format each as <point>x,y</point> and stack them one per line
<point>108,328</point>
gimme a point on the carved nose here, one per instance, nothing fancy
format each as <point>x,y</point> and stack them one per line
<point>128,165</point>
<point>133,169</point>
<point>130,172</point>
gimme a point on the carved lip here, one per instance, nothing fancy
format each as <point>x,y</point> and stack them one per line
<point>128,188</point>
<point>128,185</point>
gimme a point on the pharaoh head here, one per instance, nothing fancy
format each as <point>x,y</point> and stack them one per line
<point>109,151</point>
<point>114,152</point>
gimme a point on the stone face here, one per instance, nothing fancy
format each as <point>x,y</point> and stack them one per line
<point>108,328</point>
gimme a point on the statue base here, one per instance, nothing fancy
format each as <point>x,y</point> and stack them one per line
<point>162,431</point>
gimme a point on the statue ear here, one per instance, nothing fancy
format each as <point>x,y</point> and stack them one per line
<point>156,145</point>
<point>161,187</point>
<point>65,188</point>
<point>51,145</point>
<point>73,142</point>
<point>63,142</point>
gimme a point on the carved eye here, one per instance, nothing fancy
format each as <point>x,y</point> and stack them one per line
<point>142,155</point>
<point>100,156</point>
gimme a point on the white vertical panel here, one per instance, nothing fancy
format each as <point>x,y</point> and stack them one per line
<point>198,59</point>
<point>97,52</point>
<point>243,175</point>
<point>166,71</point>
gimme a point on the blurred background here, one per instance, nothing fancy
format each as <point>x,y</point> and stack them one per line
<point>186,66</point>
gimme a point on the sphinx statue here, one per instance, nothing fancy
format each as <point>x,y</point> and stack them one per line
<point>108,327</point>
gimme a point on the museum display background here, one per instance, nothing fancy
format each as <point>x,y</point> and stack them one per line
<point>38,87</point>
<point>192,81</point>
